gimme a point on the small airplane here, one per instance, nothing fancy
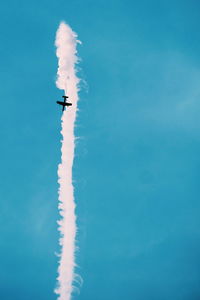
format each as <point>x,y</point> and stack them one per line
<point>64,103</point>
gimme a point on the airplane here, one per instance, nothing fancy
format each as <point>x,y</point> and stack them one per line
<point>64,103</point>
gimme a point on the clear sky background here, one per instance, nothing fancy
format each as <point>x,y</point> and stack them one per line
<point>137,164</point>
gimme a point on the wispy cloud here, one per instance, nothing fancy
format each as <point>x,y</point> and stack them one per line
<point>66,42</point>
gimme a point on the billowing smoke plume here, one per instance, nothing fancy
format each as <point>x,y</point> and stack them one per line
<point>66,42</point>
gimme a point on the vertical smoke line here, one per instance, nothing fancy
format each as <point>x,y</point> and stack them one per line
<point>66,42</point>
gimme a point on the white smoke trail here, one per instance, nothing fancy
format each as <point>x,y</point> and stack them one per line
<point>66,42</point>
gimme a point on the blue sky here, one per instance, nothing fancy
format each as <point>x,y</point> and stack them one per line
<point>136,170</point>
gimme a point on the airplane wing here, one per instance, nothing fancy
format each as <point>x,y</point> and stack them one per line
<point>61,103</point>
<point>65,103</point>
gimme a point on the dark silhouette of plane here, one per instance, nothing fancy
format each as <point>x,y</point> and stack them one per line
<point>64,103</point>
